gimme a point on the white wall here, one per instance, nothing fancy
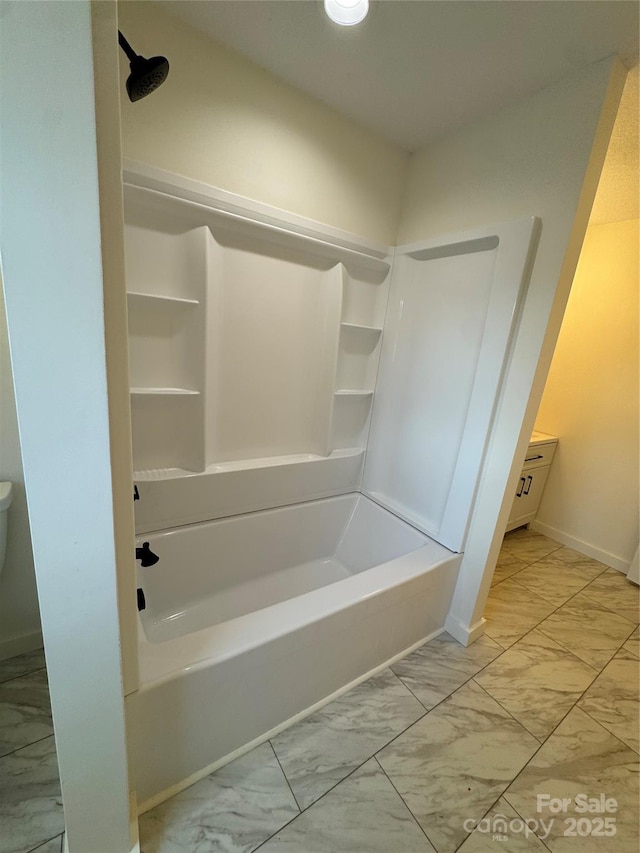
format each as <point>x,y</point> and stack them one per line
<point>591,402</point>
<point>542,157</point>
<point>221,120</point>
<point>19,614</point>
<point>55,315</point>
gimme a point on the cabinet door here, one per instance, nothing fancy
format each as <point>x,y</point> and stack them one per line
<point>528,494</point>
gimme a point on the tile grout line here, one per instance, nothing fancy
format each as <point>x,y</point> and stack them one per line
<point>351,772</point>
<point>524,588</point>
<point>311,805</point>
<point>598,672</point>
<point>406,804</point>
<point>26,746</point>
<point>22,675</point>
<point>373,755</point>
<point>559,606</point>
<point>442,701</point>
<point>491,807</point>
<point>42,843</point>
<point>602,726</point>
<point>582,694</point>
<point>286,778</point>
<point>556,727</point>
<point>406,687</point>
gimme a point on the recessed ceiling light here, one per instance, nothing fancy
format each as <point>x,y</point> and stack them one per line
<point>346,12</point>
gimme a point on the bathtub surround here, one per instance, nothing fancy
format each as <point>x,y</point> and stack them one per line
<point>267,356</point>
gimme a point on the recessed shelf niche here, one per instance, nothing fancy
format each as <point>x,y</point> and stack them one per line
<point>246,343</point>
<point>166,300</point>
<point>363,308</point>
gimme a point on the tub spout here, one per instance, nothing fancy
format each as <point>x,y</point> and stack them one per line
<point>146,555</point>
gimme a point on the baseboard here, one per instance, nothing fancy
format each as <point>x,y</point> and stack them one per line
<point>20,645</point>
<point>237,753</point>
<point>464,634</point>
<point>583,547</point>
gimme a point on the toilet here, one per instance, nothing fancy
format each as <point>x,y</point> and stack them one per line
<point>6,494</point>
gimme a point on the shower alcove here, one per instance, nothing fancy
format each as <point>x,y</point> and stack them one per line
<point>310,415</point>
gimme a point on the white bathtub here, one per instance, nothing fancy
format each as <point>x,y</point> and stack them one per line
<point>251,620</point>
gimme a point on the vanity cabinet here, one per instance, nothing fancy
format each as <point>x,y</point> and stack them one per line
<point>532,479</point>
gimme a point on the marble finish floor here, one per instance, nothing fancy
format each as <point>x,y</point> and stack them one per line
<point>31,817</point>
<point>450,749</point>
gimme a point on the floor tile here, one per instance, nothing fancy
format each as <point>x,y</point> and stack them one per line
<point>233,810</point>
<point>575,558</point>
<point>452,765</point>
<point>511,611</point>
<point>52,846</point>
<point>537,681</point>
<point>442,665</point>
<point>502,828</point>
<point>614,698</point>
<point>556,580</point>
<point>613,591</point>
<point>592,632</point>
<point>528,545</point>
<point>633,643</point>
<point>363,813</point>
<point>321,750</point>
<point>581,757</point>
<point>25,711</point>
<point>21,665</point>
<point>30,801</point>
<point>507,566</point>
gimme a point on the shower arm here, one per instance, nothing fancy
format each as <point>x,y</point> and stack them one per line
<point>124,44</point>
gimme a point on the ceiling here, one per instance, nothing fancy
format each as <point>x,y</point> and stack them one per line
<point>415,69</point>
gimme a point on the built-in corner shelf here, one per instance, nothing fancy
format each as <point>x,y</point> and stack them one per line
<point>353,392</point>
<point>164,392</point>
<point>158,298</point>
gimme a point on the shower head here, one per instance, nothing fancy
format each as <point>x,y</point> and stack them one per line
<point>146,74</point>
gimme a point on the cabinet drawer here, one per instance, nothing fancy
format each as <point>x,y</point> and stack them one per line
<point>539,454</point>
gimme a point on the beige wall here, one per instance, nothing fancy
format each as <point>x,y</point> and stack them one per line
<point>19,616</point>
<point>222,120</point>
<point>591,401</point>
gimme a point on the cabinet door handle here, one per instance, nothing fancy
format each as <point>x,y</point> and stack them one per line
<point>528,487</point>
<point>533,458</point>
<point>521,487</point>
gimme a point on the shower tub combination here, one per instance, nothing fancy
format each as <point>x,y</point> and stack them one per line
<point>252,620</point>
<point>310,418</point>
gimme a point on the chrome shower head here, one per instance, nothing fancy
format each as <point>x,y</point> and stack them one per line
<point>146,74</point>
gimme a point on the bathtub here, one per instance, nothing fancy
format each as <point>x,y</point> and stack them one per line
<point>250,622</point>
